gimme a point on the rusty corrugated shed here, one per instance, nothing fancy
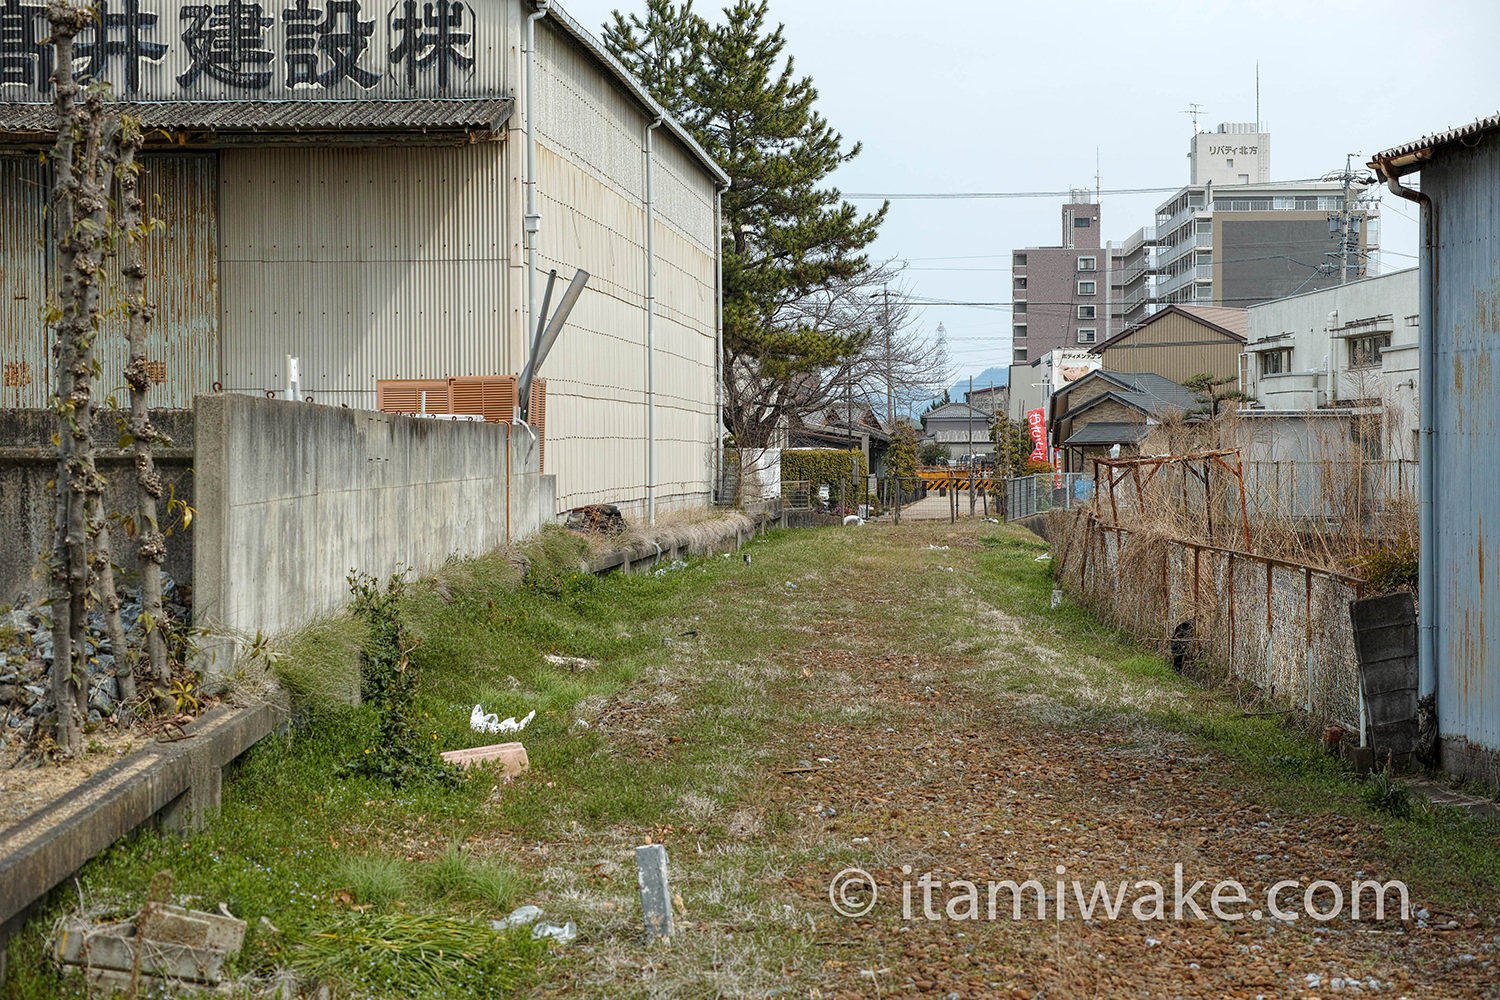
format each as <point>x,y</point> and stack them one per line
<point>25,374</point>
<point>1464,185</point>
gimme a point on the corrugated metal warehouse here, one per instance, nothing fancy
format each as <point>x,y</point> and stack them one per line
<point>349,187</point>
<point>1458,348</point>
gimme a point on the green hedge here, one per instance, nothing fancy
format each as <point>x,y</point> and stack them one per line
<point>827,467</point>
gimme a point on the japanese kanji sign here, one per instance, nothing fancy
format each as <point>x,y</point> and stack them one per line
<point>178,50</point>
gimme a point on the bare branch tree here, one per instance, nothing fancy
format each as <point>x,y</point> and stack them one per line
<point>144,437</point>
<point>82,177</point>
<point>897,363</point>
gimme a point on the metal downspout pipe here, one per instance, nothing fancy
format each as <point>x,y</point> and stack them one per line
<point>1427,521</point>
<point>533,220</point>
<point>718,342</point>
<point>651,320</point>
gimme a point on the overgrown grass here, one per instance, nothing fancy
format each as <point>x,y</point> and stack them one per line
<point>751,661</point>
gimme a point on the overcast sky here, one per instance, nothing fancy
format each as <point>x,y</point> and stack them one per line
<point>975,95</point>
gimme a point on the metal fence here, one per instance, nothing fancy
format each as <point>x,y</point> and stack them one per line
<point>1329,492</point>
<point>796,495</point>
<point>1281,626</point>
<point>1026,496</point>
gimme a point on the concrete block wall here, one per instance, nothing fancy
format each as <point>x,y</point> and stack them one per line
<point>28,464</point>
<point>293,496</point>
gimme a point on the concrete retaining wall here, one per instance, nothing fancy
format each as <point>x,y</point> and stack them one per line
<point>28,465</point>
<point>293,496</point>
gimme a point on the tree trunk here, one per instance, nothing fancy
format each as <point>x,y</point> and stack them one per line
<point>65,25</point>
<point>151,543</point>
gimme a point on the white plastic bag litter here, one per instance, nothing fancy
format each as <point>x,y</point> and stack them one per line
<point>491,723</point>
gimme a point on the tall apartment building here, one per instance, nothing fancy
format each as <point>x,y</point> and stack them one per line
<point>1233,238</point>
<point>1058,293</point>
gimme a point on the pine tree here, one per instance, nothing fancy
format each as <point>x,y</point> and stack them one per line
<point>786,236</point>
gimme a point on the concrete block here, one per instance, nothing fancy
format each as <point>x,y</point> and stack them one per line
<point>510,756</point>
<point>656,892</point>
<point>113,946</point>
<point>196,929</point>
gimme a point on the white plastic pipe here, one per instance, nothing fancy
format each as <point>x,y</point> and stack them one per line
<point>651,320</point>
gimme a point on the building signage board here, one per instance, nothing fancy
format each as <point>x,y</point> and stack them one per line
<point>1037,422</point>
<point>176,50</point>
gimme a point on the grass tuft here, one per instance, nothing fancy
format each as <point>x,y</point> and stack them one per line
<point>374,880</point>
<point>457,874</point>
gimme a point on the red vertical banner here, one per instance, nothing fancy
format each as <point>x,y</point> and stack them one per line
<point>1038,424</point>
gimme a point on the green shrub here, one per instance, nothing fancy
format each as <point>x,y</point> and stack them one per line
<point>1389,568</point>
<point>827,467</point>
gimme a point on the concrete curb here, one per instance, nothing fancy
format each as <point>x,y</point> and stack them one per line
<point>175,783</point>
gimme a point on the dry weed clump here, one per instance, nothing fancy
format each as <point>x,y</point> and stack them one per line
<point>1329,509</point>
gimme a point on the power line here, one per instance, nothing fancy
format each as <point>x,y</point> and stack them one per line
<point>992,195</point>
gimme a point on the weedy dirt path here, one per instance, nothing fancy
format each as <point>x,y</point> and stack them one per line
<point>901,703</point>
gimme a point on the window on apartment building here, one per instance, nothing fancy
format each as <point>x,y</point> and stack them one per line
<point>1019,331</point>
<point>1276,362</point>
<point>1087,335</point>
<point>1085,288</point>
<point>1229,163</point>
<point>1082,222</point>
<point>1020,283</point>
<point>1018,260</point>
<point>1203,225</point>
<point>1364,352</point>
<point>1086,312</point>
<point>1018,307</point>
<point>1019,355</point>
<point>1088,263</point>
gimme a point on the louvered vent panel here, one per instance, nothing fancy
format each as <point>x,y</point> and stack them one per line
<point>491,396</point>
<point>538,411</point>
<point>405,395</point>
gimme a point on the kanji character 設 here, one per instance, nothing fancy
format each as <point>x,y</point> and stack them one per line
<point>312,35</point>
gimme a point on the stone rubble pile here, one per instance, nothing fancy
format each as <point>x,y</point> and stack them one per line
<point>26,658</point>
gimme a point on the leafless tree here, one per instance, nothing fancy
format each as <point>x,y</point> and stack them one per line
<point>897,364</point>
<point>82,173</point>
<point>142,434</point>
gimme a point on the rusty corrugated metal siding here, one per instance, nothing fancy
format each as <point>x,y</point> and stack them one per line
<point>1463,184</point>
<point>25,371</point>
<point>182,281</point>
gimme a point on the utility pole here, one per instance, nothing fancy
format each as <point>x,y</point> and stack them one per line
<point>1344,224</point>
<point>890,395</point>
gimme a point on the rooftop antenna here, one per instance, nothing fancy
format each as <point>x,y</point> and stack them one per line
<point>1195,110</point>
<point>1097,188</point>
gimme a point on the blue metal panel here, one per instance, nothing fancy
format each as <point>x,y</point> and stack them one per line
<point>1463,185</point>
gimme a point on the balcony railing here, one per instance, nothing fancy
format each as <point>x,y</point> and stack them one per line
<point>1198,272</point>
<point>1173,253</point>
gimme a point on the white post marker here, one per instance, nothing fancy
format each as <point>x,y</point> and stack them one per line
<point>656,894</point>
<point>293,382</point>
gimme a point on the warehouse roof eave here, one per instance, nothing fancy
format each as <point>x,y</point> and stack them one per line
<point>297,120</point>
<point>1410,156</point>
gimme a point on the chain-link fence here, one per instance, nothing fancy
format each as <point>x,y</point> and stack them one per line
<point>1026,496</point>
<point>1280,626</point>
